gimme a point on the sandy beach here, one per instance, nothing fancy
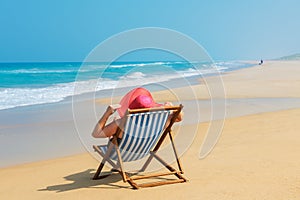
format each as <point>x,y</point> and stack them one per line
<point>256,157</point>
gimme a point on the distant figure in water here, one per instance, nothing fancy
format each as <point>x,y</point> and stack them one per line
<point>261,62</point>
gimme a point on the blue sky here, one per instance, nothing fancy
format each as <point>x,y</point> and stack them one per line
<point>68,30</point>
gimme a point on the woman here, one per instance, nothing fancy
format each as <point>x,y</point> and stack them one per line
<point>136,98</point>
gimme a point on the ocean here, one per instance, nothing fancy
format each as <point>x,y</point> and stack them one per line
<point>26,84</point>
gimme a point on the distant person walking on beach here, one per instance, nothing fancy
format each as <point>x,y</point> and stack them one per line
<point>136,98</point>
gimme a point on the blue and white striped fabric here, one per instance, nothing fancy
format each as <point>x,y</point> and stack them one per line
<point>142,131</point>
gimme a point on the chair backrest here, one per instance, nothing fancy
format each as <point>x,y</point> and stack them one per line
<point>143,128</point>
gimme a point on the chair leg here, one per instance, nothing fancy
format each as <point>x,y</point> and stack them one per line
<point>120,164</point>
<point>175,152</point>
<point>96,176</point>
<point>105,158</point>
<point>154,150</point>
<point>96,148</point>
<point>173,171</point>
<point>178,173</point>
<point>147,162</point>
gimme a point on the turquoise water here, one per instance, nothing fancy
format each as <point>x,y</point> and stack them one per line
<point>23,84</point>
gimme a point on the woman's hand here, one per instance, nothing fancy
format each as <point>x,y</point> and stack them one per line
<point>168,104</point>
<point>112,108</point>
<point>109,110</point>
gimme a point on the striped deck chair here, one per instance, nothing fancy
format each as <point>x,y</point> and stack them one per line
<point>143,133</point>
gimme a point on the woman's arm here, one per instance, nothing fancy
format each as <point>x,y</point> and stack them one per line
<point>102,131</point>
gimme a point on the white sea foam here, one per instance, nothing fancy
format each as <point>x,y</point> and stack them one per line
<point>134,75</point>
<point>137,64</point>
<point>35,71</point>
<point>14,97</point>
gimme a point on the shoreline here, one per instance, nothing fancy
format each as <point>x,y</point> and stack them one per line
<point>42,135</point>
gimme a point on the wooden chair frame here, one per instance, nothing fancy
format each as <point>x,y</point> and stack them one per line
<point>119,165</point>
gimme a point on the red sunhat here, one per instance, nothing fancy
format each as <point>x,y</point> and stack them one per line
<point>136,98</point>
<point>143,101</point>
